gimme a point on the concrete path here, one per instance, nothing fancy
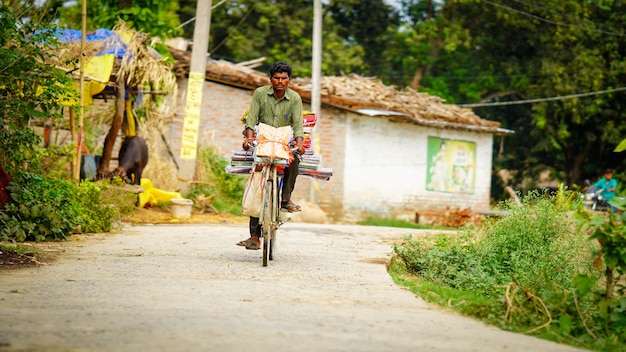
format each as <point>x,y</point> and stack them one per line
<point>189,288</point>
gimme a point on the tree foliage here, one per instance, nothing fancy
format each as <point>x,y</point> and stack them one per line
<point>157,18</point>
<point>31,88</point>
<point>466,51</point>
<point>276,30</point>
<point>471,51</point>
<point>369,24</point>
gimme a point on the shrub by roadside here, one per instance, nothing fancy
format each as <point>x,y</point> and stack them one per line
<point>46,209</point>
<point>530,271</point>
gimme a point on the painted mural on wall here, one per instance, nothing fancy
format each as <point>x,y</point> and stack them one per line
<point>451,165</point>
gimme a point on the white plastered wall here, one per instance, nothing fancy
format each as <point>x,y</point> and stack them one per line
<point>386,168</point>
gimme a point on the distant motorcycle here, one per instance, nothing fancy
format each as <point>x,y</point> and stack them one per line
<point>593,199</point>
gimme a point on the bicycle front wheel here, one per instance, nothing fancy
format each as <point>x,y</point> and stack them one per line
<point>266,223</point>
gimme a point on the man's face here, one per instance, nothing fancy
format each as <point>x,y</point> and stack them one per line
<point>608,175</point>
<point>280,81</point>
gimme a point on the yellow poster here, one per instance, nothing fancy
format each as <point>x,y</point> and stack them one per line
<point>451,165</point>
<point>189,141</point>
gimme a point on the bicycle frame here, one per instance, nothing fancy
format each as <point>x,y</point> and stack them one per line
<point>269,212</point>
<point>270,218</point>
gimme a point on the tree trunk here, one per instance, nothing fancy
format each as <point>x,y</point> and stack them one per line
<point>124,4</point>
<point>575,167</point>
<point>116,125</point>
<point>436,47</point>
<point>609,285</point>
<point>415,82</point>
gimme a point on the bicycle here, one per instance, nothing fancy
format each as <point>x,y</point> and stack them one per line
<point>270,218</point>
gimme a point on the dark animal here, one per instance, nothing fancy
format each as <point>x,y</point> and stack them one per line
<point>132,159</point>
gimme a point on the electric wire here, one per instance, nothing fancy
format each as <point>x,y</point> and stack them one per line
<point>539,100</point>
<point>553,22</point>
<point>194,17</point>
<point>570,16</point>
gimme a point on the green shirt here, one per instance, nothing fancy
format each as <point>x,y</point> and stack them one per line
<point>266,109</point>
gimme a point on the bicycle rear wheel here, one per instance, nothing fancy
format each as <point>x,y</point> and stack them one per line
<point>267,229</point>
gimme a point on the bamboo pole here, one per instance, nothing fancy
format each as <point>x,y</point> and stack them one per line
<point>81,112</point>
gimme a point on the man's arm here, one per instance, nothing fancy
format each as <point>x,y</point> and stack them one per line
<point>253,112</point>
<point>252,119</point>
<point>296,124</point>
<point>296,121</point>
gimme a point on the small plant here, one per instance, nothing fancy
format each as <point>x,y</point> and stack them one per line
<point>214,180</point>
<point>19,249</point>
<point>102,205</point>
<point>610,232</point>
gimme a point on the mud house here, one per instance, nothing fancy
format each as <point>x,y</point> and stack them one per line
<point>393,153</point>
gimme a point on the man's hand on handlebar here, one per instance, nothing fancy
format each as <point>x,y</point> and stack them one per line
<point>299,146</point>
<point>247,143</point>
<point>248,139</point>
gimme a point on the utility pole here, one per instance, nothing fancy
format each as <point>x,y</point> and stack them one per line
<point>316,100</point>
<point>193,103</point>
<point>317,57</point>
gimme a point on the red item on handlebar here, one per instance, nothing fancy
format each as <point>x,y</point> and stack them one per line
<point>309,120</point>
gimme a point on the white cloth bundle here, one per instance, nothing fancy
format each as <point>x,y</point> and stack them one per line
<point>273,142</point>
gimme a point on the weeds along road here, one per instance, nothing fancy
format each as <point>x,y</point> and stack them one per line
<point>190,288</point>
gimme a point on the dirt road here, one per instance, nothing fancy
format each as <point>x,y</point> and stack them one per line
<point>189,288</point>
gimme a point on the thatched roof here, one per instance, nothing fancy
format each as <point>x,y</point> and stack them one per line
<point>358,92</point>
<point>220,71</point>
<point>352,92</point>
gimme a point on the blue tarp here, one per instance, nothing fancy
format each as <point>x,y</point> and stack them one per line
<point>113,43</point>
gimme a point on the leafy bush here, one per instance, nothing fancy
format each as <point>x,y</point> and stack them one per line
<point>534,242</point>
<point>533,266</point>
<point>18,150</point>
<point>103,204</point>
<point>44,209</point>
<point>609,229</point>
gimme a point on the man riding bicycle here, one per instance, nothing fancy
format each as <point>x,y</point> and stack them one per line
<point>277,106</point>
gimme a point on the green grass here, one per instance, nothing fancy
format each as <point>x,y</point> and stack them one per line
<point>372,221</point>
<point>470,304</point>
<point>464,302</point>
<point>20,249</point>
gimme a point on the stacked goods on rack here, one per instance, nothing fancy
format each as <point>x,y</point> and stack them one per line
<point>310,163</point>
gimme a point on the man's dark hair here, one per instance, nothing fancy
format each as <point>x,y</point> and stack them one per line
<point>281,67</point>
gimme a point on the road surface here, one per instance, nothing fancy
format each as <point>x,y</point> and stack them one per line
<point>190,288</point>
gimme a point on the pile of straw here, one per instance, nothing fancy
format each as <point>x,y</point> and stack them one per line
<point>141,65</point>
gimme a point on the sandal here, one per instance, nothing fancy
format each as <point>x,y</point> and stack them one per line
<point>291,207</point>
<point>249,244</point>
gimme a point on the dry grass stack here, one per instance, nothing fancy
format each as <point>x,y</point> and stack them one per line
<point>142,67</point>
<point>161,168</point>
